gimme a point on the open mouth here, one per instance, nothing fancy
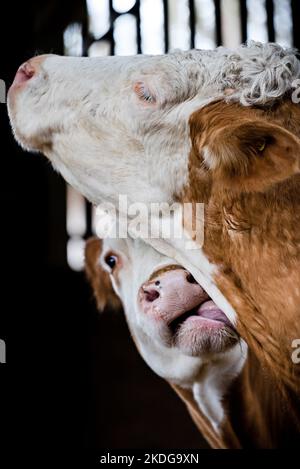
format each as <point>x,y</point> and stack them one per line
<point>186,316</point>
<point>207,312</point>
<point>204,329</point>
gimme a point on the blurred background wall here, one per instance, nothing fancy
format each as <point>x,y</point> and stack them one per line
<point>73,377</point>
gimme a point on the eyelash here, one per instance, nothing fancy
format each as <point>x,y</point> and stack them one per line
<point>143,93</point>
<point>147,97</point>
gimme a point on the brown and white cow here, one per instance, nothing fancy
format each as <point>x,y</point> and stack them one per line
<point>181,334</point>
<point>185,338</point>
<point>150,128</point>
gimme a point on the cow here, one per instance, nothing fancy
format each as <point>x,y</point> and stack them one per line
<point>188,341</point>
<point>140,126</point>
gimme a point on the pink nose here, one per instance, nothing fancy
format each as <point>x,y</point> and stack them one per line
<point>150,294</point>
<point>170,290</point>
<point>152,290</point>
<point>28,70</point>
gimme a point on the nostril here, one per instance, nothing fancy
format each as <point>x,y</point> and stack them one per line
<point>151,295</point>
<point>190,278</point>
<point>27,70</point>
<point>24,73</point>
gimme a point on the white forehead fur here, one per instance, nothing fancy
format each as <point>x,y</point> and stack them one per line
<point>105,142</point>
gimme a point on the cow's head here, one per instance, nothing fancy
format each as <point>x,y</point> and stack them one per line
<point>177,328</point>
<point>120,125</point>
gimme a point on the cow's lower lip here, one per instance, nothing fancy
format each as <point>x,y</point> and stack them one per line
<point>203,330</point>
<point>207,313</point>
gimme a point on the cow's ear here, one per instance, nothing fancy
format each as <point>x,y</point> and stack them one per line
<point>98,277</point>
<point>248,153</point>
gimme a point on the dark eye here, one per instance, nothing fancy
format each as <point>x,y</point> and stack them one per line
<point>111,260</point>
<point>144,93</point>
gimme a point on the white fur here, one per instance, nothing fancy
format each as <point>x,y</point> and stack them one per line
<point>209,391</point>
<point>209,159</point>
<point>84,114</point>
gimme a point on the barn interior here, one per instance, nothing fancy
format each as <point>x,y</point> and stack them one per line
<point>73,376</point>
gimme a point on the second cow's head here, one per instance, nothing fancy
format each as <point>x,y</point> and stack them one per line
<point>176,326</point>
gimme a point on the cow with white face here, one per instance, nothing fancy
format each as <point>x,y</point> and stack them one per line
<point>120,125</point>
<point>179,331</point>
<point>136,126</point>
<point>186,339</point>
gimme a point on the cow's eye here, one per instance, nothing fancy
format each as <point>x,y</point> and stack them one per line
<point>111,260</point>
<point>148,98</point>
<point>144,93</point>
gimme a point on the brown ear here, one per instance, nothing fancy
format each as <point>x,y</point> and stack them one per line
<point>245,151</point>
<point>99,278</point>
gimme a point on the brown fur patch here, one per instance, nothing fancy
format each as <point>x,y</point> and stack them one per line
<point>252,228</point>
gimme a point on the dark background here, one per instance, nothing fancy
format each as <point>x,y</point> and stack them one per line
<point>73,378</point>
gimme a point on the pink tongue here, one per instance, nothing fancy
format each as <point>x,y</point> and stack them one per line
<point>210,310</point>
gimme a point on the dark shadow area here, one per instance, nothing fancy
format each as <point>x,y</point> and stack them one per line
<point>72,378</point>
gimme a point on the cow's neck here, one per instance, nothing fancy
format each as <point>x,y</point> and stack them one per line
<point>213,382</point>
<point>255,240</point>
<point>253,413</point>
<point>238,232</point>
<point>256,237</point>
